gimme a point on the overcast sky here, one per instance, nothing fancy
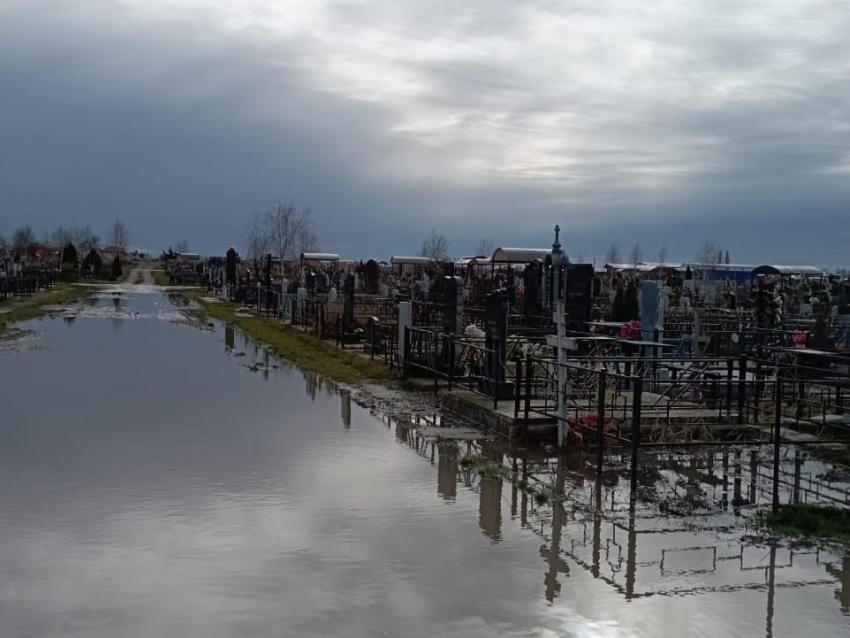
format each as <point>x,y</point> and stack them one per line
<point>668,122</point>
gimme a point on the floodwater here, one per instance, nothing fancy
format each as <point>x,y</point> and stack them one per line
<point>157,479</point>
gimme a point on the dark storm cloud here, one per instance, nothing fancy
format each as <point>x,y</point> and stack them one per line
<point>669,123</point>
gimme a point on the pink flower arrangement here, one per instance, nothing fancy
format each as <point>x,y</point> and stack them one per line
<point>631,330</point>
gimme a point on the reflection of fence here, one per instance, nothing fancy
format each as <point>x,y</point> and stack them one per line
<point>610,528</point>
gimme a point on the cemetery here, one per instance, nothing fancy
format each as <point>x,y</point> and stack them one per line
<point>532,346</point>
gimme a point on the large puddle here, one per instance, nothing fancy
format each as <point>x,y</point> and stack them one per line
<point>157,479</point>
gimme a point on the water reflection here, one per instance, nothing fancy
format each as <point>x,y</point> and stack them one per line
<point>604,528</point>
<point>345,407</point>
<point>253,508</point>
<point>447,470</point>
<point>842,575</point>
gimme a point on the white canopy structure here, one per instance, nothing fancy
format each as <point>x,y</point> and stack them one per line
<point>320,256</point>
<point>410,261</point>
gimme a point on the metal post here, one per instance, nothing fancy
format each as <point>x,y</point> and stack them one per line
<point>600,416</point>
<point>742,390</point>
<point>451,360</point>
<point>529,370</point>
<point>637,394</point>
<point>730,371</point>
<point>517,386</point>
<point>776,443</point>
<point>405,355</point>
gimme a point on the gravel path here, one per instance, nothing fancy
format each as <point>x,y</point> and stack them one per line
<point>141,277</point>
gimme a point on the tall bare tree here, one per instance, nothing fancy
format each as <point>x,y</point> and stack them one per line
<point>286,228</point>
<point>613,254</point>
<point>707,257</point>
<point>119,235</point>
<point>662,255</point>
<point>485,247</point>
<point>636,256</point>
<point>22,237</point>
<point>257,239</point>
<point>435,246</point>
<point>181,246</point>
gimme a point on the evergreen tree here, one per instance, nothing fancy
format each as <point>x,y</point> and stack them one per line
<point>631,307</point>
<point>70,260</point>
<point>617,307</point>
<point>117,269</point>
<point>93,262</point>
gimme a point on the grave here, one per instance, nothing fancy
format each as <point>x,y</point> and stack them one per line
<point>496,342</point>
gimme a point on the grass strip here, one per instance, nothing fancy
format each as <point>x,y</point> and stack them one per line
<point>812,521</point>
<point>303,349</point>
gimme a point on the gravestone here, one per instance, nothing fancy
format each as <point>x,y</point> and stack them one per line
<point>579,295</point>
<point>348,304</point>
<point>373,276</point>
<point>496,343</point>
<point>230,272</point>
<point>653,304</point>
<point>453,306</point>
<point>405,320</point>
<point>531,306</point>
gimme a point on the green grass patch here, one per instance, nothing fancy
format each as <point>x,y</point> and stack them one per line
<point>814,521</point>
<point>26,308</point>
<point>301,348</point>
<point>160,278</point>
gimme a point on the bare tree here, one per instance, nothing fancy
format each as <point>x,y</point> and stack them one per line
<point>662,255</point>
<point>485,247</point>
<point>707,257</point>
<point>636,256</point>
<point>308,241</point>
<point>22,237</point>
<point>435,246</point>
<point>613,254</point>
<point>87,240</point>
<point>181,246</point>
<point>286,228</point>
<point>727,259</point>
<point>119,235</point>
<point>256,240</point>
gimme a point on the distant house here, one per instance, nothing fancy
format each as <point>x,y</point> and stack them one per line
<point>108,253</point>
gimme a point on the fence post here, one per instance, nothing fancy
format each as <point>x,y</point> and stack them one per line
<point>529,370</point>
<point>451,361</point>
<point>730,372</point>
<point>517,386</point>
<point>758,390</point>
<point>742,390</point>
<point>600,416</point>
<point>776,440</point>
<point>405,366</point>
<point>637,395</point>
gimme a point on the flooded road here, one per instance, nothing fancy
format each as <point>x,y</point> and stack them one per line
<point>157,479</point>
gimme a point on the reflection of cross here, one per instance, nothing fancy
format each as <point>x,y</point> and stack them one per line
<point>553,554</point>
<point>843,576</point>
